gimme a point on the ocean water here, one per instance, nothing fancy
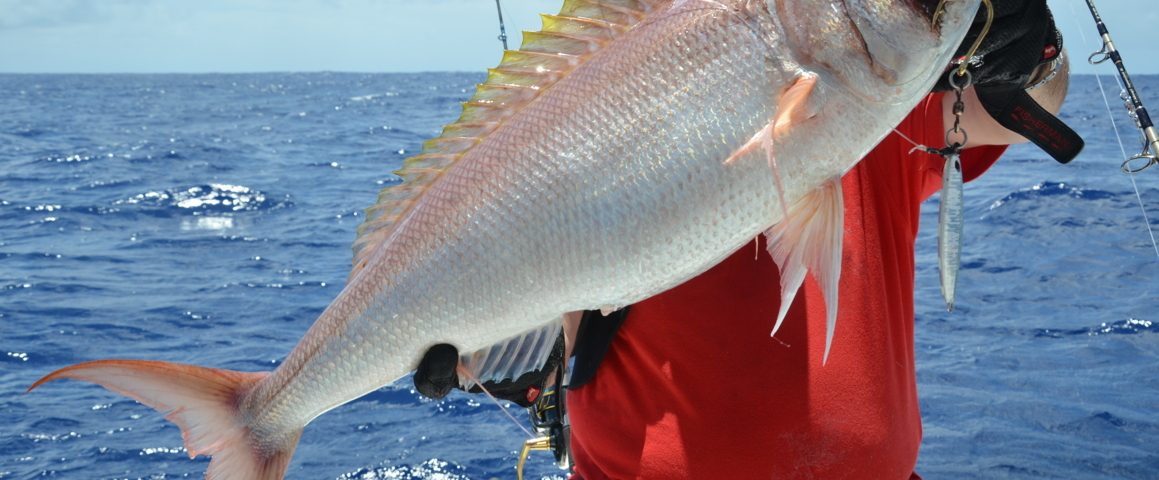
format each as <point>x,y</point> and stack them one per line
<point>208,218</point>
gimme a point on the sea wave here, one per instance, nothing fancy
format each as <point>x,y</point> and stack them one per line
<point>206,199</point>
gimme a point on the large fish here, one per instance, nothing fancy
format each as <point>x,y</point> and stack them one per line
<point>626,147</point>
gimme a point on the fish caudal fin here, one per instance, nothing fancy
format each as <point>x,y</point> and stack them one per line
<point>204,403</point>
<point>810,239</point>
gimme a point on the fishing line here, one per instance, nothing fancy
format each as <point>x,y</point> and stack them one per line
<point>471,377</point>
<point>1115,126</point>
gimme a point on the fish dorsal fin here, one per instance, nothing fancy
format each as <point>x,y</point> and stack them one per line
<point>566,41</point>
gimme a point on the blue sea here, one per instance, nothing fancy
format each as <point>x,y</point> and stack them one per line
<point>208,219</point>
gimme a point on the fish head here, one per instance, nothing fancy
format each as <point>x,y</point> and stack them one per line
<point>883,51</point>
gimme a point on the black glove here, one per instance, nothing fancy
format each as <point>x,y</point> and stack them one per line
<point>1022,37</point>
<point>436,376</point>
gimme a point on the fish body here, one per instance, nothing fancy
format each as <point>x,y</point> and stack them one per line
<point>626,148</point>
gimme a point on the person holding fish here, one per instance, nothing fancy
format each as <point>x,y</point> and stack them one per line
<point>711,395</point>
<point>625,155</point>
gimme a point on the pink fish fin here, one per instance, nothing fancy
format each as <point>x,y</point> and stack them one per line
<point>777,182</point>
<point>788,111</point>
<point>763,138</point>
<point>203,402</point>
<point>809,239</point>
<point>791,106</point>
<point>565,41</point>
<point>507,360</point>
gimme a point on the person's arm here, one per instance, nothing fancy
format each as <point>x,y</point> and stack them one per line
<point>984,130</point>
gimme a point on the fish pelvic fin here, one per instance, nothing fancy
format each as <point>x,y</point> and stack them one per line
<point>204,403</point>
<point>566,40</point>
<point>510,359</point>
<point>810,239</point>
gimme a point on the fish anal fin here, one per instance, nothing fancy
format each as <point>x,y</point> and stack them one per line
<point>809,238</point>
<point>203,402</point>
<point>564,42</point>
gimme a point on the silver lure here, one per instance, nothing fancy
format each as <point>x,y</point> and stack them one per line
<point>950,227</point>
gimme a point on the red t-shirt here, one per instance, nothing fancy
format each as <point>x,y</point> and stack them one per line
<point>694,387</point>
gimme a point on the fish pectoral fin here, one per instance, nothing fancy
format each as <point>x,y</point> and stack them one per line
<point>511,358</point>
<point>203,402</point>
<point>809,238</point>
<point>791,107</point>
<point>790,110</point>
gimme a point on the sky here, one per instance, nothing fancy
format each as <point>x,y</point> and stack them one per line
<point>161,36</point>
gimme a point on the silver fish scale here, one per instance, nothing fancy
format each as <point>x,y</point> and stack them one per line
<point>521,230</point>
<point>608,188</point>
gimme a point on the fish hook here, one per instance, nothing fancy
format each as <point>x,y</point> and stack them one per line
<point>981,36</point>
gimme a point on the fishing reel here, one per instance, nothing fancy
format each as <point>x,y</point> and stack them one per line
<point>549,420</point>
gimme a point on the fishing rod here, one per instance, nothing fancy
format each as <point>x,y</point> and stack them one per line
<point>1150,154</point>
<point>502,29</point>
<point>1135,110</point>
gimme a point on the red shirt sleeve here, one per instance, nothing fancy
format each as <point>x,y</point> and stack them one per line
<point>693,386</point>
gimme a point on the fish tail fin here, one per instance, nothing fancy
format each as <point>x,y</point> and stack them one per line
<point>204,403</point>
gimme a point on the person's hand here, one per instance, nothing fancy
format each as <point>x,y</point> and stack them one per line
<point>1022,37</point>
<point>437,374</point>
